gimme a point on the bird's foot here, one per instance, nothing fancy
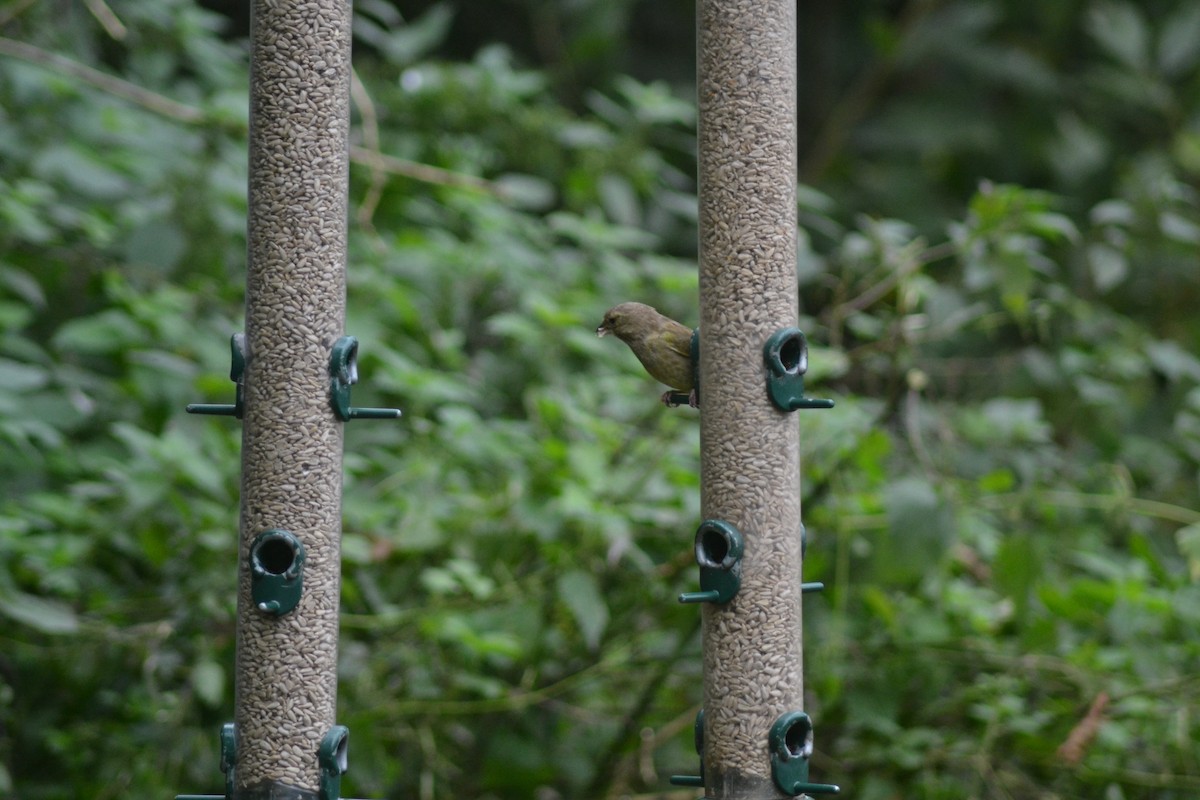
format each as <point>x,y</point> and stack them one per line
<point>673,399</point>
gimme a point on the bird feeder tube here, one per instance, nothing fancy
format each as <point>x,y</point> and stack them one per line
<point>750,448</point>
<point>286,685</point>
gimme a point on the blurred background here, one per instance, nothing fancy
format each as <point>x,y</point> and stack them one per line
<point>999,280</point>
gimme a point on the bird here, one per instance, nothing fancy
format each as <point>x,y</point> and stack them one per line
<point>663,345</point>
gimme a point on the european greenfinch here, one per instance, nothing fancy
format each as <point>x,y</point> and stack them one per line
<point>663,345</point>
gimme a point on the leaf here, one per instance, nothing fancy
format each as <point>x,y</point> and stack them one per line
<point>998,481</point>
<point>1080,150</point>
<point>526,192</point>
<point>109,331</point>
<point>881,605</point>
<point>406,43</point>
<point>1121,31</point>
<point>581,594</point>
<point>159,243</point>
<point>21,209</point>
<point>1113,212</point>
<point>23,286</point>
<point>18,377</point>
<point>208,681</point>
<point>88,173</point>
<point>1177,227</point>
<point>826,363</point>
<point>1108,265</point>
<point>619,199</point>
<point>1017,567</point>
<point>1052,226</point>
<point>918,531</point>
<point>1005,420</point>
<point>1173,361</point>
<point>457,576</point>
<point>1188,539</point>
<point>1179,43</point>
<point>47,616</point>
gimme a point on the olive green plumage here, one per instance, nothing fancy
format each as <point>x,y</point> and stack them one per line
<point>663,345</point>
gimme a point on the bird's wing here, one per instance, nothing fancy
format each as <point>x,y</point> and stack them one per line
<point>678,337</point>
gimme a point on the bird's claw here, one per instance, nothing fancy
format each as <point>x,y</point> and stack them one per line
<point>670,399</point>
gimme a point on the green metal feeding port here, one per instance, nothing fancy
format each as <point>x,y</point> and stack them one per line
<point>343,373</point>
<point>719,548</point>
<point>698,740</point>
<point>786,357</point>
<point>237,374</point>
<point>333,758</point>
<point>276,571</point>
<point>791,745</point>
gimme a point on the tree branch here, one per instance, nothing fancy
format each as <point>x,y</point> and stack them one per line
<point>190,115</point>
<point>152,101</point>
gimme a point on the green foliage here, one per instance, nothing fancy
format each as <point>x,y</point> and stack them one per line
<point>1003,504</point>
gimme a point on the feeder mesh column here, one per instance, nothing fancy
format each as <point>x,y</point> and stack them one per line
<point>292,445</point>
<point>750,451</point>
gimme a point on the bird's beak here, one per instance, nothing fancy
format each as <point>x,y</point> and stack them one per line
<point>602,331</point>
